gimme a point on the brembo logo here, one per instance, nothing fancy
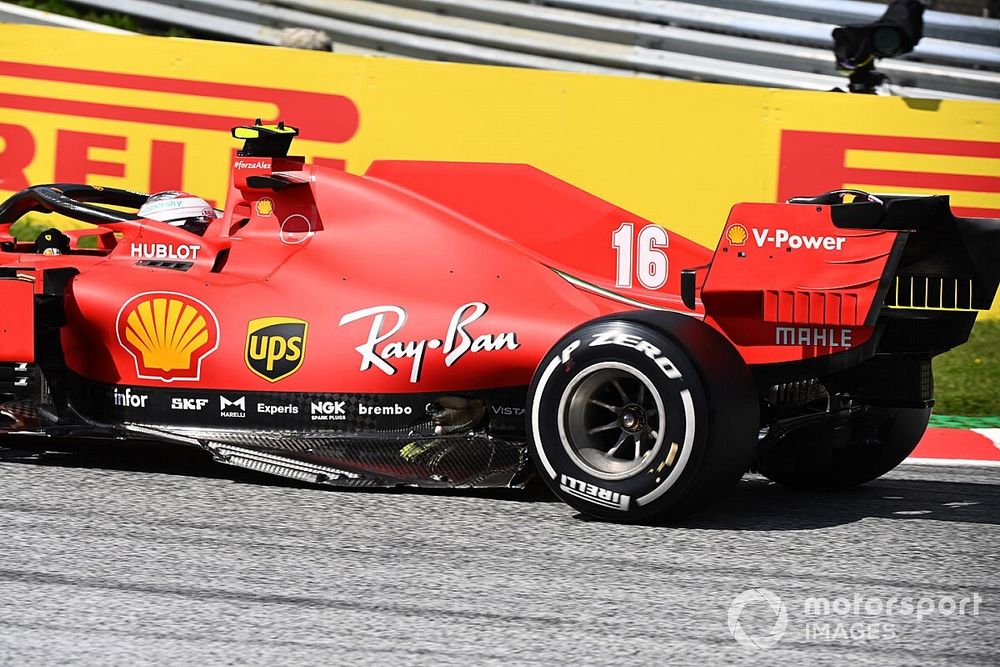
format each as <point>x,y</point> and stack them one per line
<point>168,334</point>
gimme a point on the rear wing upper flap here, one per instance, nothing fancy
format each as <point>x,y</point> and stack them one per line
<point>939,248</point>
<point>894,212</point>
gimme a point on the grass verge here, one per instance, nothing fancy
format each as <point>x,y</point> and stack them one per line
<point>967,379</point>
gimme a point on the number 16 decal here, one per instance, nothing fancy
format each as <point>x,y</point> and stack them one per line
<point>649,263</point>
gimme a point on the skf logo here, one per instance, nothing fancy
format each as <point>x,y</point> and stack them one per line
<point>737,234</point>
<point>265,207</point>
<point>188,403</point>
<point>275,346</point>
<point>168,334</point>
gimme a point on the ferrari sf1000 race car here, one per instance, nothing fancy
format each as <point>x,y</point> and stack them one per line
<point>451,324</point>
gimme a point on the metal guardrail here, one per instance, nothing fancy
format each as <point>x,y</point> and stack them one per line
<point>262,23</point>
<point>703,16</point>
<point>709,44</point>
<point>958,27</point>
<point>603,36</point>
<point>660,61</point>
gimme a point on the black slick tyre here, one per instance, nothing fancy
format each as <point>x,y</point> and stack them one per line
<point>880,439</point>
<point>642,414</point>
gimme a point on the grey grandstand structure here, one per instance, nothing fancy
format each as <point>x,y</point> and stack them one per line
<point>778,43</point>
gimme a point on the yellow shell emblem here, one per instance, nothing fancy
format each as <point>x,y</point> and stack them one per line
<point>737,234</point>
<point>168,335</point>
<point>264,207</point>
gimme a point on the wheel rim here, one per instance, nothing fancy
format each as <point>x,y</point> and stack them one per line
<point>611,421</point>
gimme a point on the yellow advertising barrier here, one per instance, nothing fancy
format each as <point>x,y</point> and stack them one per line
<point>150,113</point>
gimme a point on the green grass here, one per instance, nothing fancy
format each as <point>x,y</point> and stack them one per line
<point>113,19</point>
<point>967,379</point>
<point>30,226</point>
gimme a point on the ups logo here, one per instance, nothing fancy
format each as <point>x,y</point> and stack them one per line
<point>275,346</point>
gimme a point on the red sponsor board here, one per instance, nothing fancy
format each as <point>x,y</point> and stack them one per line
<point>815,162</point>
<point>322,117</point>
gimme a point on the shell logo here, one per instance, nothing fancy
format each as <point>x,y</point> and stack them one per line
<point>168,334</point>
<point>264,206</point>
<point>737,234</point>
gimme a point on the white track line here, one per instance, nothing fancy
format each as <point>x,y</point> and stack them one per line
<point>951,462</point>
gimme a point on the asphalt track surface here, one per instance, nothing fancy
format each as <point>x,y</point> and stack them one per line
<point>130,557</point>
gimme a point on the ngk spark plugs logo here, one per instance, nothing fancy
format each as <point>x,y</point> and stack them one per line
<point>164,144</point>
<point>168,334</point>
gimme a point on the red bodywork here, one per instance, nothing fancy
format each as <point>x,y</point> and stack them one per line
<point>448,276</point>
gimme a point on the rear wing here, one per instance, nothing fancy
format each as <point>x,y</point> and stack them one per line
<point>816,275</point>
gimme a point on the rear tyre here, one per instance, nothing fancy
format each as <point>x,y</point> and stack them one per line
<point>641,415</point>
<point>879,440</point>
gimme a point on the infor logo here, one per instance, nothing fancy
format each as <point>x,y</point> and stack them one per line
<point>275,346</point>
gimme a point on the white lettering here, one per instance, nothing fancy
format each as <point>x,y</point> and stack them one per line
<point>164,251</point>
<point>456,343</point>
<point>782,238</point>
<point>814,336</point>
<point>126,399</point>
<point>647,348</point>
<point>594,493</point>
<point>264,408</point>
<point>394,409</point>
<point>328,410</point>
<point>188,403</point>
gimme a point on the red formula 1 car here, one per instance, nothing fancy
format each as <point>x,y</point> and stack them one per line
<point>453,324</point>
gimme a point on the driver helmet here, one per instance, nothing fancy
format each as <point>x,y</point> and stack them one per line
<point>178,209</point>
